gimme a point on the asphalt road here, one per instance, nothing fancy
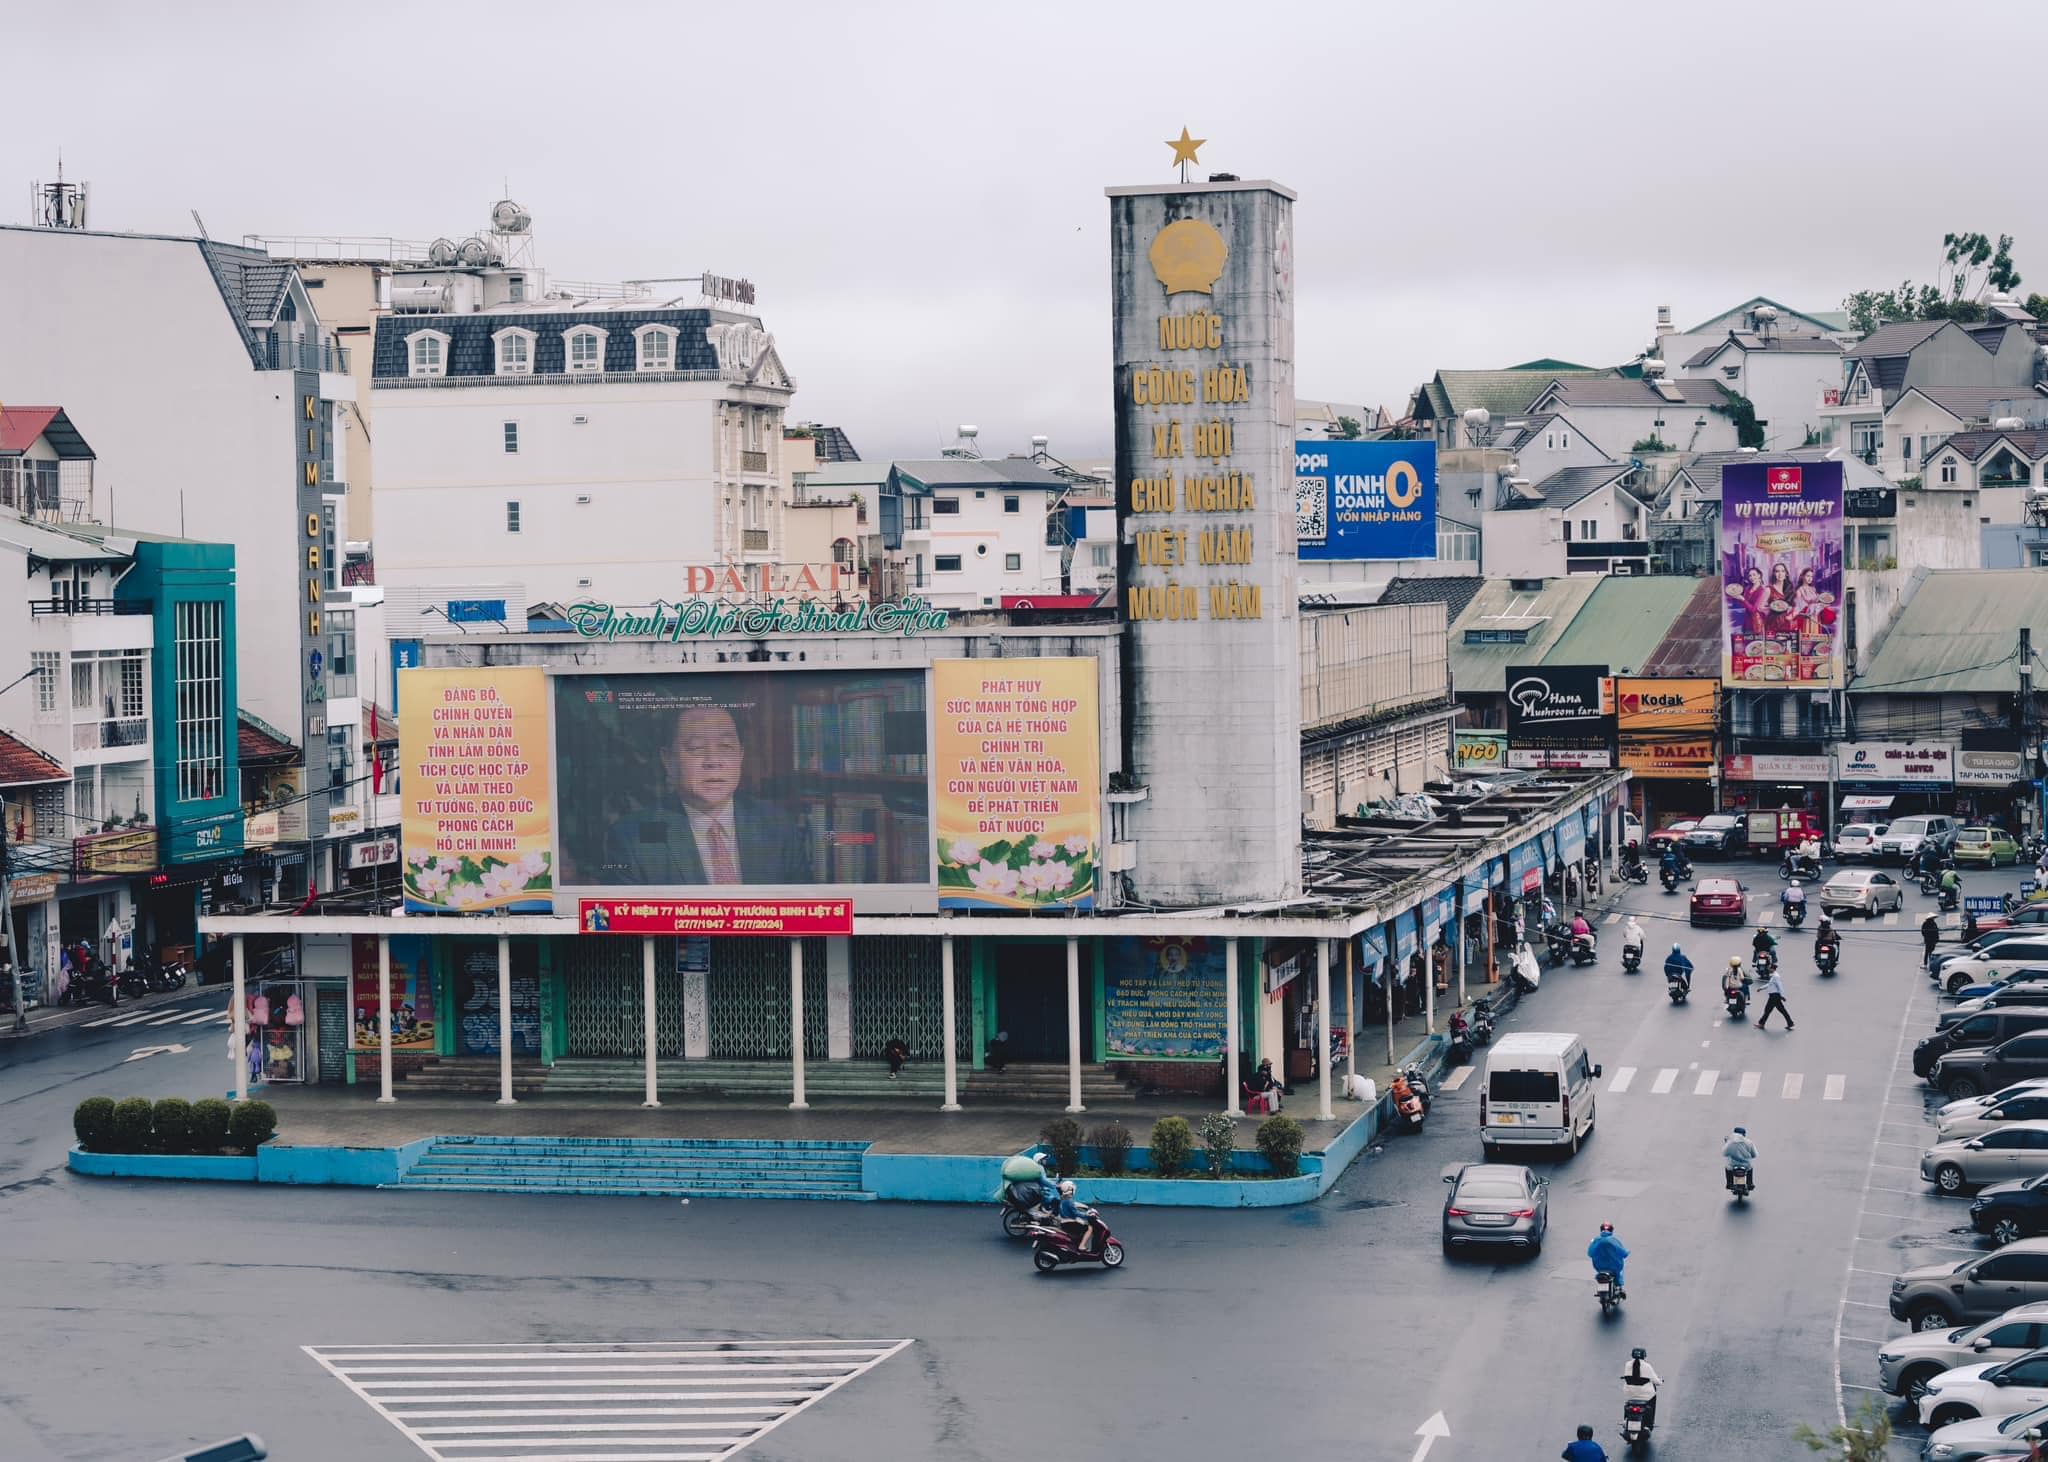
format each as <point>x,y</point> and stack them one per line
<point>148,1317</point>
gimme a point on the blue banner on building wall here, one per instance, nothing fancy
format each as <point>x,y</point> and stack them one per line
<point>1163,998</point>
<point>1365,500</point>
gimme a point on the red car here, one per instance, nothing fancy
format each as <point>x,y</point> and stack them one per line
<point>1663,837</point>
<point>1717,900</point>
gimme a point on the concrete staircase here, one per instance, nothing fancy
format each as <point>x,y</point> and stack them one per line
<point>474,1075</point>
<point>641,1167</point>
<point>1044,1084</point>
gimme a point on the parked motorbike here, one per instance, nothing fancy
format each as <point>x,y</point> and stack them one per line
<point>1482,1022</point>
<point>158,977</point>
<point>1461,1040</point>
<point>1635,1426</point>
<point>1741,1183</point>
<point>131,984</point>
<point>1631,958</point>
<point>1607,1292</point>
<point>88,986</point>
<point>1052,1246</point>
<point>1417,1083</point>
<point>1408,1106</point>
<point>1023,1205</point>
<point>1558,937</point>
<point>1826,957</point>
<point>1585,948</point>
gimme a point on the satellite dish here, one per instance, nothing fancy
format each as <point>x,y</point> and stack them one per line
<point>508,217</point>
<point>441,251</point>
<point>474,252</point>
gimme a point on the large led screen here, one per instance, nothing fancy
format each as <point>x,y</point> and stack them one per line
<point>766,780</point>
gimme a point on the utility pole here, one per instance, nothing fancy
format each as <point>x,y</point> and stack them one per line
<point>12,954</point>
<point>2026,720</point>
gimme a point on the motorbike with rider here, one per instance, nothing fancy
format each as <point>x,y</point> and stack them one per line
<point>1793,902</point>
<point>1677,975</point>
<point>1639,1386</point>
<point>1735,986</point>
<point>1827,946</point>
<point>1738,1161</point>
<point>1609,1259</point>
<point>1632,941</point>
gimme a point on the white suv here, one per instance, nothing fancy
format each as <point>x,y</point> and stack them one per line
<point>1903,836</point>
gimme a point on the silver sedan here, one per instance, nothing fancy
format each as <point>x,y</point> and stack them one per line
<point>2015,1150</point>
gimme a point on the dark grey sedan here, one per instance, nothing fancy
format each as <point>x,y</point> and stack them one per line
<point>1495,1203</point>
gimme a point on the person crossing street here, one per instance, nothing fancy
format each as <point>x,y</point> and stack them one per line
<point>1774,999</point>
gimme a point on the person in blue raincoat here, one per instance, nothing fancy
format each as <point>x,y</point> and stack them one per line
<point>1608,1256</point>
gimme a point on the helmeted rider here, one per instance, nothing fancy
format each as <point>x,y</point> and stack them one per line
<point>1795,893</point>
<point>1608,1256</point>
<point>1735,976</point>
<point>1048,1189</point>
<point>1807,854</point>
<point>1639,1382</point>
<point>1580,928</point>
<point>1678,967</point>
<point>1826,934</point>
<point>1951,881</point>
<point>1077,1218</point>
<point>1765,946</point>
<point>1738,1154</point>
<point>1632,936</point>
<point>1672,861</point>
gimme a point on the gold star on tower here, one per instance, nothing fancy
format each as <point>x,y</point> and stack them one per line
<point>1184,151</point>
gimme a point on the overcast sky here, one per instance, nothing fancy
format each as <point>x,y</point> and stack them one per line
<point>916,189</point>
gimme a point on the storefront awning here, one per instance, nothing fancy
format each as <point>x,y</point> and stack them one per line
<point>1865,803</point>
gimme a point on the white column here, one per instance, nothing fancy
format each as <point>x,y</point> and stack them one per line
<point>384,1015</point>
<point>1429,990</point>
<point>696,1015</point>
<point>796,1027</point>
<point>1323,1030</point>
<point>505,1097</point>
<point>653,1098</point>
<point>1390,968</point>
<point>946,1014</point>
<point>241,1027</point>
<point>839,997</point>
<point>1350,1015</point>
<point>1074,1026</point>
<point>1462,942</point>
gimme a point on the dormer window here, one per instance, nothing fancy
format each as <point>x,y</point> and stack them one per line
<point>426,353</point>
<point>515,351</point>
<point>657,347</point>
<point>585,349</point>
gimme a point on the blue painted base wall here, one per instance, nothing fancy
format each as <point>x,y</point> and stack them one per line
<point>150,1165</point>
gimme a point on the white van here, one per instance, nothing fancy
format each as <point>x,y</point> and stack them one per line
<point>1538,1092</point>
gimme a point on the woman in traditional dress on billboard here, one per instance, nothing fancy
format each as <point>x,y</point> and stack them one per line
<point>1808,602</point>
<point>1754,597</point>
<point>1779,597</point>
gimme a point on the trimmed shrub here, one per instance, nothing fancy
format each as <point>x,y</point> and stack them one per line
<point>1219,1140</point>
<point>93,1123</point>
<point>251,1124</point>
<point>1063,1136</point>
<point>1112,1144</point>
<point>210,1116</point>
<point>1279,1139</point>
<point>131,1125</point>
<point>1173,1145</point>
<point>173,1120</point>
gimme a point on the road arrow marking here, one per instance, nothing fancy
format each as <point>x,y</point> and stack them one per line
<point>142,1051</point>
<point>1429,1431</point>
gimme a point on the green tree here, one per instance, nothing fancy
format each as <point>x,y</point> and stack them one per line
<point>1749,431</point>
<point>2037,306</point>
<point>1971,265</point>
<point>1866,1439</point>
<point>1347,429</point>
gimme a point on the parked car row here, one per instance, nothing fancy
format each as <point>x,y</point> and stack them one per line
<point>1729,834</point>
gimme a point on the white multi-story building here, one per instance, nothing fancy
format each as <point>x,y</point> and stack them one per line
<point>569,449</point>
<point>971,530</point>
<point>212,421</point>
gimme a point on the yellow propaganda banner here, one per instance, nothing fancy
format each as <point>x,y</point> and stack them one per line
<point>1018,783</point>
<point>478,818</point>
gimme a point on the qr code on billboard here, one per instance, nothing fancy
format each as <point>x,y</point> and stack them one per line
<point>1312,509</point>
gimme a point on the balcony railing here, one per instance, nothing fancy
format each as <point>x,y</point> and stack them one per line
<point>89,606</point>
<point>305,355</point>
<point>105,735</point>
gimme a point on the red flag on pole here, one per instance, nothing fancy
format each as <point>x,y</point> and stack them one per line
<point>376,755</point>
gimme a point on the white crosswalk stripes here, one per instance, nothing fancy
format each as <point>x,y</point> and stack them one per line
<point>1457,1078</point>
<point>1705,1085</point>
<point>1832,1092</point>
<point>1794,1083</point>
<point>1622,1077</point>
<point>655,1401</point>
<point>1750,1082</point>
<point>156,1015</point>
<point>1664,1082</point>
<point>1891,920</point>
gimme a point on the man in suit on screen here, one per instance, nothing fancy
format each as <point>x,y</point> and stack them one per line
<point>705,830</point>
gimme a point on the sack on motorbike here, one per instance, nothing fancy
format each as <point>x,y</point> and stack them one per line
<point>1022,1169</point>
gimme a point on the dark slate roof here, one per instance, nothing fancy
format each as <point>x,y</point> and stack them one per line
<point>1453,591</point>
<point>21,765</point>
<point>471,351</point>
<point>1613,391</point>
<point>1692,647</point>
<point>1972,403</point>
<point>833,445</point>
<point>978,472</point>
<point>2031,444</point>
<point>1773,344</point>
<point>1503,393</point>
<point>1899,338</point>
<point>1567,485</point>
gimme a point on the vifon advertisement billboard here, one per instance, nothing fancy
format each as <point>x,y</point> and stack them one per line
<point>1781,573</point>
<point>765,781</point>
<point>1365,500</point>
